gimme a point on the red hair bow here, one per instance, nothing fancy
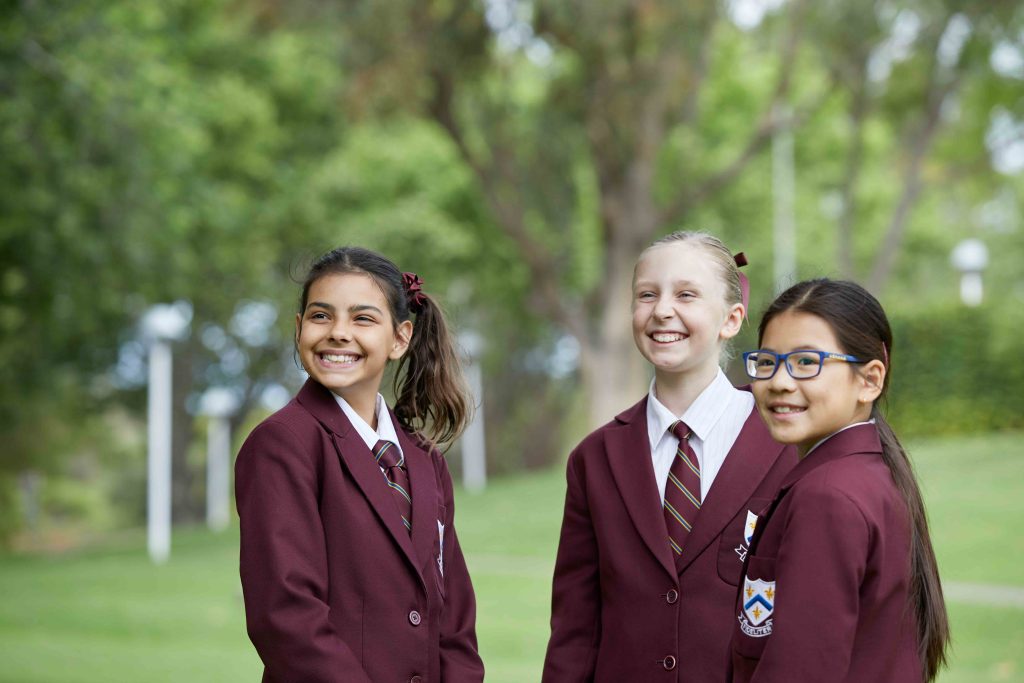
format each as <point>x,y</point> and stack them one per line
<point>741,260</point>
<point>413,285</point>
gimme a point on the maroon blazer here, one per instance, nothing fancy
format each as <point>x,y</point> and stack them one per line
<point>624,606</point>
<point>835,551</point>
<point>335,588</point>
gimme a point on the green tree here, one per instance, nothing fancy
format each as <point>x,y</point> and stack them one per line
<point>592,128</point>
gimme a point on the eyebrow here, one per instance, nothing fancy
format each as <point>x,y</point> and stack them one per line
<point>798,347</point>
<point>364,307</point>
<point>677,283</point>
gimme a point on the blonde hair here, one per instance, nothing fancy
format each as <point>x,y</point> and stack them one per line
<point>727,269</point>
<point>719,253</point>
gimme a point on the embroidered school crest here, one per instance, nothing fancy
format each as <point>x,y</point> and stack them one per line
<point>758,606</point>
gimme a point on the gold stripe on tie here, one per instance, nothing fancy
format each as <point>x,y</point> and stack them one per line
<point>682,490</point>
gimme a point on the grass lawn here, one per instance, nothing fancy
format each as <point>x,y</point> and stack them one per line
<point>105,614</point>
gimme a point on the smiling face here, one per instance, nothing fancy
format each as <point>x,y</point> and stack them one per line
<point>680,314</point>
<point>803,412</point>
<point>346,335</point>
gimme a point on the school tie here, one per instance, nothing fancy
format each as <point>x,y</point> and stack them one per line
<point>682,490</point>
<point>393,463</point>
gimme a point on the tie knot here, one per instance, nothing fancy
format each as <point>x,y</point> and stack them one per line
<point>387,454</point>
<point>681,431</point>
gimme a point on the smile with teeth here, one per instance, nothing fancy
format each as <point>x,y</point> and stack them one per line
<point>665,337</point>
<point>785,410</point>
<point>339,357</point>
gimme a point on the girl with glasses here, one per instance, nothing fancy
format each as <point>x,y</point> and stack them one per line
<point>841,582</point>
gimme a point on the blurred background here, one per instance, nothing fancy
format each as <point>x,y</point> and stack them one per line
<point>518,155</point>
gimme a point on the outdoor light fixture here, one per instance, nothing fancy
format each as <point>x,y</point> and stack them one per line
<point>970,257</point>
<point>218,404</point>
<point>161,325</point>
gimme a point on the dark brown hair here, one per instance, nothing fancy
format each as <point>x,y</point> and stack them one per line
<point>431,397</point>
<point>862,329</point>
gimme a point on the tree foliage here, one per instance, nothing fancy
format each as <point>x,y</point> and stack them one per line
<point>592,128</point>
<point>518,155</point>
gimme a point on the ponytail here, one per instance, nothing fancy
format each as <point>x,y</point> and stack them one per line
<point>429,387</point>
<point>431,398</point>
<point>926,597</point>
<point>862,330</point>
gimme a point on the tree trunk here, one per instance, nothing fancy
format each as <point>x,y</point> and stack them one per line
<point>851,177</point>
<point>614,373</point>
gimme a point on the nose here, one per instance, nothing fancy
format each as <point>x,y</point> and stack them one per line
<point>340,331</point>
<point>663,308</point>
<point>781,381</point>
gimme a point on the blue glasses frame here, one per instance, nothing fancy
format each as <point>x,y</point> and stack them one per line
<point>750,361</point>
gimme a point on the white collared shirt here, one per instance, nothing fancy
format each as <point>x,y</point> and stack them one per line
<point>716,417</point>
<point>385,428</point>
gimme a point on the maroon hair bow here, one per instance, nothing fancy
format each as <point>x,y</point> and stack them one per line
<point>741,260</point>
<point>413,285</point>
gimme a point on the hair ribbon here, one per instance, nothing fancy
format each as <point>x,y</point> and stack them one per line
<point>741,260</point>
<point>413,285</point>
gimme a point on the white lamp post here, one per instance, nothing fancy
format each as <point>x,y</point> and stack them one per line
<point>161,325</point>
<point>970,257</point>
<point>218,404</point>
<point>473,446</point>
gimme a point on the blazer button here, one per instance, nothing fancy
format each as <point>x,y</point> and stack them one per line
<point>415,679</point>
<point>672,596</point>
<point>415,618</point>
<point>669,663</point>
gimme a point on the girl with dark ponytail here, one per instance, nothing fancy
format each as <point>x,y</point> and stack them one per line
<point>841,582</point>
<point>351,569</point>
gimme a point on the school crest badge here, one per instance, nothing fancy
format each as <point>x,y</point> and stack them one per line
<point>758,606</point>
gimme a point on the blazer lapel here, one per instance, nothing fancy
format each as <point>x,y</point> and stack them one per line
<point>629,457</point>
<point>862,438</point>
<point>358,460</point>
<point>745,466</point>
<point>425,496</point>
<point>858,439</point>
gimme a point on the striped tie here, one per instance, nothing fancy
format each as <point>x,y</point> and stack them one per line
<point>393,463</point>
<point>682,490</point>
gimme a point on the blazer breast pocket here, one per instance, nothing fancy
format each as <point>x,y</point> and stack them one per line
<point>755,609</point>
<point>732,549</point>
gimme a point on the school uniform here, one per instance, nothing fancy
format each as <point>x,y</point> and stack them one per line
<point>827,579</point>
<point>625,606</point>
<point>336,588</point>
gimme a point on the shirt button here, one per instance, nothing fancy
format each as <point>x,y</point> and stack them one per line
<point>669,663</point>
<point>672,596</point>
<point>415,618</point>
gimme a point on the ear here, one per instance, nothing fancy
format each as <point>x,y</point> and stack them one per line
<point>872,380</point>
<point>298,327</point>
<point>403,336</point>
<point>733,322</point>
